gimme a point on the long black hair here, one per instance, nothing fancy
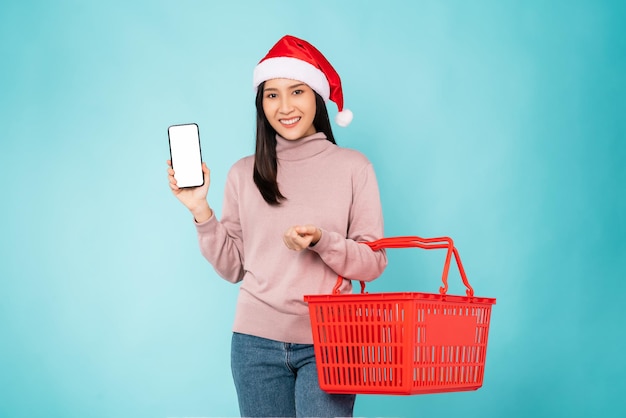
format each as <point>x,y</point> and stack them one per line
<point>265,163</point>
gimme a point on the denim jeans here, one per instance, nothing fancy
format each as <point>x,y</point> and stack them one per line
<point>276,379</point>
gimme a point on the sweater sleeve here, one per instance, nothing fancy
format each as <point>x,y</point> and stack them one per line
<point>346,255</point>
<point>221,241</point>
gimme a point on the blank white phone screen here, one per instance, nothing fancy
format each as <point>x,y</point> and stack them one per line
<point>186,155</point>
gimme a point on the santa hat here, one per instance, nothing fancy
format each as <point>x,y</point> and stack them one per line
<point>297,59</point>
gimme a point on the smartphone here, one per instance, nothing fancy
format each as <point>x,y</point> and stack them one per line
<point>186,155</point>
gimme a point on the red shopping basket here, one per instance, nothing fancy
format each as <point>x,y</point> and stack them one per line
<point>401,343</point>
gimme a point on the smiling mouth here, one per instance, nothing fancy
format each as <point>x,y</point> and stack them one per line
<point>289,122</point>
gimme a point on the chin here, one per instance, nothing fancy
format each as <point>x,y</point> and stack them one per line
<point>292,136</point>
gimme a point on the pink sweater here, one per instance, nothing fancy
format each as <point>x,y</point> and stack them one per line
<point>331,187</point>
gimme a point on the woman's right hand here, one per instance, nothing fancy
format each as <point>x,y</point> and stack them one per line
<point>194,198</point>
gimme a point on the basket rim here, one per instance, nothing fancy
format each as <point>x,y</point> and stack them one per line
<point>399,296</point>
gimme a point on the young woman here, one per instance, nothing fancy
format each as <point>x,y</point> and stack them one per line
<point>293,216</point>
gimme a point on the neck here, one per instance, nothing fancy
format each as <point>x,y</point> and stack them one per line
<point>302,148</point>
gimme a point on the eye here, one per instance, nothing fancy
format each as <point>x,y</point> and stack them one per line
<point>298,91</point>
<point>271,95</point>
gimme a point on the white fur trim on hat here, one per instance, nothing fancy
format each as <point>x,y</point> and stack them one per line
<point>294,69</point>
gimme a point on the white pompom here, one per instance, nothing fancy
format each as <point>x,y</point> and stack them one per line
<point>344,118</point>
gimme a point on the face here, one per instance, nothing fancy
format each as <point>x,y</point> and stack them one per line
<point>289,107</point>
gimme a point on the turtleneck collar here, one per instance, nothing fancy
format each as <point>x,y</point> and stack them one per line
<point>300,149</point>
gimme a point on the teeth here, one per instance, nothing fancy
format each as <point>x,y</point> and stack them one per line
<point>289,121</point>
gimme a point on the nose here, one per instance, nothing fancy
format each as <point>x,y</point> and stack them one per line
<point>285,105</point>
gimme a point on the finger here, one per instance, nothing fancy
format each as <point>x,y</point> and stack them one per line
<point>300,241</point>
<point>303,230</point>
<point>300,229</point>
<point>292,240</point>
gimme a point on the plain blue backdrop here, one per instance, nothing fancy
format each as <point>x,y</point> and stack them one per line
<point>499,123</point>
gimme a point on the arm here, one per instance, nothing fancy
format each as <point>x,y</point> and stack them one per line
<point>345,254</point>
<point>349,258</point>
<point>221,248</point>
<point>221,241</point>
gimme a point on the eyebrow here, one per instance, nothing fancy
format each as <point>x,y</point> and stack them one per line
<point>290,87</point>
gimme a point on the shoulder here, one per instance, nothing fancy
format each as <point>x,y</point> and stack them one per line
<point>243,165</point>
<point>241,171</point>
<point>351,157</point>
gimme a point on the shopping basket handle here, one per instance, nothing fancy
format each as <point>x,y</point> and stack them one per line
<point>427,244</point>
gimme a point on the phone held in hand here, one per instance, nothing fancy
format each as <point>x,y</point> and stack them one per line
<point>186,155</point>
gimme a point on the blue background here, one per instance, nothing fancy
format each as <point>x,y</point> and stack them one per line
<point>498,123</point>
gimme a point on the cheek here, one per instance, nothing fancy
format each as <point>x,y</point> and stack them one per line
<point>312,109</point>
<point>309,104</point>
<point>265,108</point>
<point>269,107</point>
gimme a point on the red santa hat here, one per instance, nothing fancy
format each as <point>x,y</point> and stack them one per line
<point>297,59</point>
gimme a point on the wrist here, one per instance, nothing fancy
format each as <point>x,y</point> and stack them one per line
<point>316,237</point>
<point>202,213</point>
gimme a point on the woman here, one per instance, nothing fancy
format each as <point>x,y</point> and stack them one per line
<point>293,216</point>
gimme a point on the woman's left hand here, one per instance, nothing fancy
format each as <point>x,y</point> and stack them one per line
<point>299,237</point>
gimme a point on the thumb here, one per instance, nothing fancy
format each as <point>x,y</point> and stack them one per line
<point>207,173</point>
<point>305,229</point>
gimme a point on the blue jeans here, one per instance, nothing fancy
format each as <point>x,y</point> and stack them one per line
<point>276,379</point>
